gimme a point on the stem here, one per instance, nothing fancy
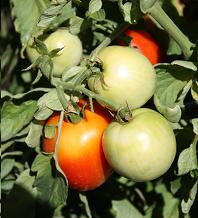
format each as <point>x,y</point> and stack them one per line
<point>60,122</point>
<point>13,153</point>
<point>163,19</point>
<point>97,97</point>
<point>87,92</point>
<point>121,28</point>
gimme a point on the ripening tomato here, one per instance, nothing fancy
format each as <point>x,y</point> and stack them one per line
<point>142,149</point>
<point>79,153</point>
<point>145,43</point>
<point>128,77</point>
<point>70,55</point>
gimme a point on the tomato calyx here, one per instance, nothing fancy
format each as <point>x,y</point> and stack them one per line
<point>124,115</point>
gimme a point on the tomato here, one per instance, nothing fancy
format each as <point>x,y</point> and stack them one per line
<point>142,149</point>
<point>70,55</point>
<point>145,43</point>
<point>79,153</point>
<point>128,77</point>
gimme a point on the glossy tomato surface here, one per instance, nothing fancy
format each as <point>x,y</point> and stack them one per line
<point>145,43</point>
<point>142,149</point>
<point>129,78</point>
<point>79,152</point>
<point>70,55</point>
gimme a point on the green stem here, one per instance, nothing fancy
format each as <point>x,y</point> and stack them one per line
<point>121,28</point>
<point>163,19</point>
<point>97,97</point>
<point>13,153</point>
<point>60,122</point>
<point>87,92</point>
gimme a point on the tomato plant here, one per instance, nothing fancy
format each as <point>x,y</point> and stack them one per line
<point>79,151</point>
<point>128,77</point>
<point>142,149</point>
<point>69,55</point>
<point>145,43</point>
<point>75,54</point>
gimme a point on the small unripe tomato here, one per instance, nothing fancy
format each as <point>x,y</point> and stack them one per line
<point>128,77</point>
<point>142,149</point>
<point>70,55</point>
<point>145,43</point>
<point>79,152</point>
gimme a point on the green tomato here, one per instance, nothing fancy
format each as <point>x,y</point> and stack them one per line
<point>128,77</point>
<point>70,55</point>
<point>142,149</point>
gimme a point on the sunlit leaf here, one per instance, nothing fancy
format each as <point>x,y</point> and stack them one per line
<point>123,208</point>
<point>188,155</point>
<point>171,204</point>
<point>26,14</point>
<point>33,138</point>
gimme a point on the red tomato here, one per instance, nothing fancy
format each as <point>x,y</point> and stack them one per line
<point>79,153</point>
<point>145,43</point>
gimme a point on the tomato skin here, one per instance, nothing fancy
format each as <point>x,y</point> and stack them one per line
<point>70,55</point>
<point>79,153</point>
<point>129,77</point>
<point>145,43</point>
<point>142,149</point>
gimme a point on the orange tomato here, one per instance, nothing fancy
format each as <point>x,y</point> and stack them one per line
<point>145,43</point>
<point>79,152</point>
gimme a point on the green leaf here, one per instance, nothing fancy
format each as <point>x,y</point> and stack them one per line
<point>45,64</point>
<point>21,200</point>
<point>43,113</point>
<point>7,184</point>
<point>26,14</point>
<point>195,125</point>
<point>171,204</point>
<point>72,72</point>
<point>6,145</point>
<point>40,47</point>
<point>34,135</point>
<point>130,10</point>
<point>51,101</point>
<point>5,93</point>
<point>49,183</point>
<point>186,204</point>
<point>123,208</point>
<point>171,88</point>
<point>15,117</point>
<point>98,15</point>
<point>66,13</point>
<point>49,131</point>
<point>75,24</point>
<point>95,5</point>
<point>84,200</point>
<point>149,211</point>
<point>173,48</point>
<point>7,165</point>
<point>194,90</point>
<point>189,156</point>
<point>175,185</point>
<point>51,13</point>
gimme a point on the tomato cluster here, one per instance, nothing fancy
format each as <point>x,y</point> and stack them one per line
<point>141,148</point>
